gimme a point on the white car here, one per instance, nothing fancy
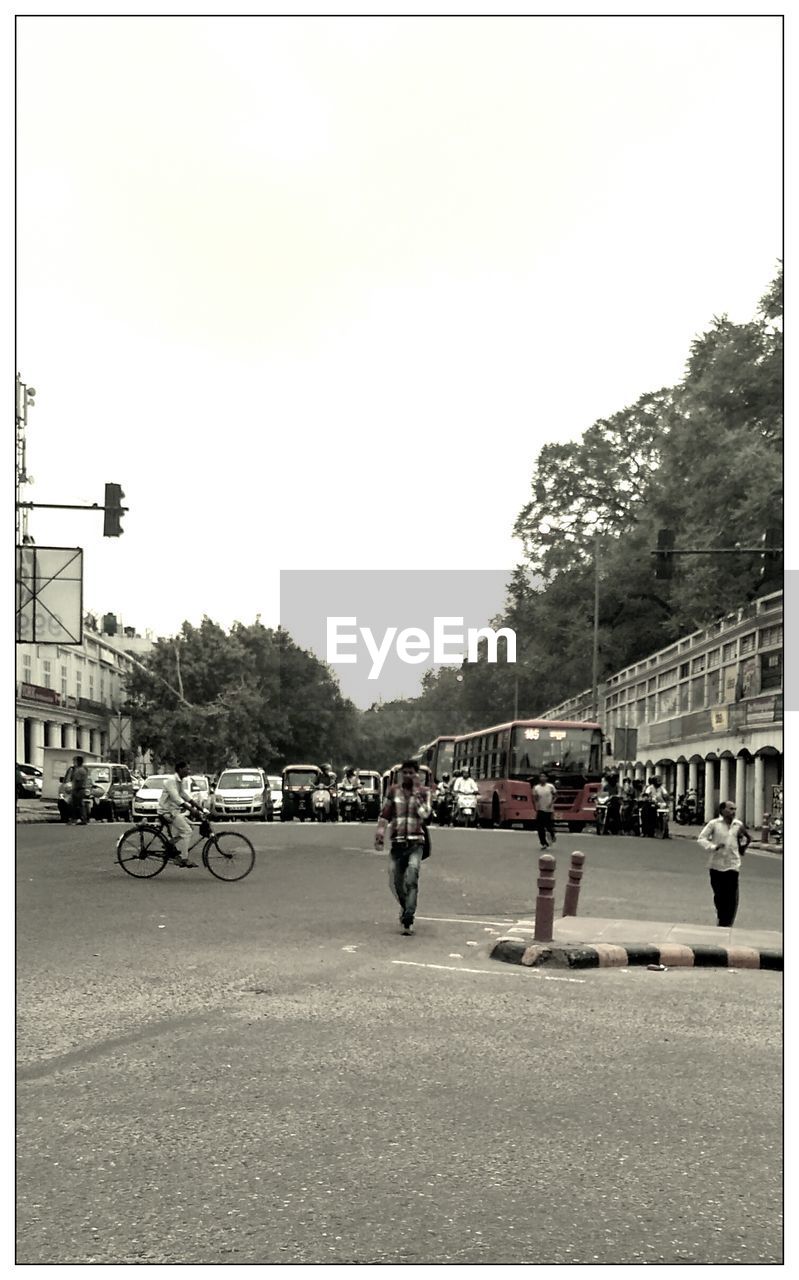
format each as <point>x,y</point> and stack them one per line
<point>243,793</point>
<point>276,787</point>
<point>145,801</point>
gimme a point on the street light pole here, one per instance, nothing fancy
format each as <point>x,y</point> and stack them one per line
<point>595,656</point>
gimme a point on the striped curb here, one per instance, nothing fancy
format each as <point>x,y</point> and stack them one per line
<point>605,955</point>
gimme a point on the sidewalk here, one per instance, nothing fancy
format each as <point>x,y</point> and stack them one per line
<point>37,811</point>
<point>591,942</point>
<point>691,833</point>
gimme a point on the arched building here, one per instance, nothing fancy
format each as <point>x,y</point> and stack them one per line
<point>705,712</point>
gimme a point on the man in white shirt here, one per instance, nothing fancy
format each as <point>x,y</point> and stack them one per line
<point>544,799</point>
<point>173,802</point>
<point>726,839</point>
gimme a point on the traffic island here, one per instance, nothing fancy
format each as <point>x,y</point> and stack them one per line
<point>607,955</point>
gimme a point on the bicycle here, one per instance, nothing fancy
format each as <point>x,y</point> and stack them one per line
<point>144,850</point>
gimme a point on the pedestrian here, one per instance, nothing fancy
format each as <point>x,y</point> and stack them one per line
<point>173,803</point>
<point>649,811</point>
<point>80,791</point>
<point>726,839</point>
<point>406,809</point>
<point>544,796</point>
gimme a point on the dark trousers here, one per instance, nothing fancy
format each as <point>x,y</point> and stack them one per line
<point>80,806</point>
<point>725,895</point>
<point>403,876</point>
<point>545,823</point>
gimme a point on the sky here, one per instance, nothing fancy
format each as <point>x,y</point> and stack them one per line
<point>309,287</point>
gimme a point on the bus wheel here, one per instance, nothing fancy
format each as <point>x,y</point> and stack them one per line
<point>576,826</point>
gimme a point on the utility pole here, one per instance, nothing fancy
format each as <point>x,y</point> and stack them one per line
<point>25,399</point>
<point>595,658</point>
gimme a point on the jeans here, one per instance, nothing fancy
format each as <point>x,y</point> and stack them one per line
<point>725,895</point>
<point>403,876</point>
<point>545,823</point>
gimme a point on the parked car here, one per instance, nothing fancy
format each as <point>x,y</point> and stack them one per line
<point>243,793</point>
<point>276,788</point>
<point>28,782</point>
<point>199,787</point>
<point>111,789</point>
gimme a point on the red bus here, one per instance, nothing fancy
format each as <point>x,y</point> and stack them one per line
<point>438,756</point>
<point>506,760</point>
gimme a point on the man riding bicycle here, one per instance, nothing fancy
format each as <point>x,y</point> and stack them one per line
<point>172,805</point>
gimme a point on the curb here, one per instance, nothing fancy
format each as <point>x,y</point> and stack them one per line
<point>538,955</point>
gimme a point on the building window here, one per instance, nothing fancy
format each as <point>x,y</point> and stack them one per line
<point>47,673</point>
<point>770,636</point>
<point>79,684</point>
<point>771,670</point>
<point>698,694</point>
<point>668,678</point>
<point>698,664</point>
<point>683,670</point>
<point>730,651</point>
<point>748,643</point>
<point>26,668</point>
<point>685,697</point>
<point>714,658</point>
<point>63,684</point>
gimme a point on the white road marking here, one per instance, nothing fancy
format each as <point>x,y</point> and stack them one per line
<point>461,920</point>
<point>456,968</point>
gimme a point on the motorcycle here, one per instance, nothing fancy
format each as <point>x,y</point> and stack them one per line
<point>601,812</point>
<point>465,813</point>
<point>686,810</point>
<point>442,809</point>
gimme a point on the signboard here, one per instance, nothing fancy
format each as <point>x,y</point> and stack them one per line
<point>760,710</point>
<point>119,733</point>
<point>49,605</point>
<point>719,719</point>
<point>38,693</point>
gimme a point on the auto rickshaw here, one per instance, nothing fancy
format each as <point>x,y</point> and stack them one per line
<point>371,789</point>
<point>299,781</point>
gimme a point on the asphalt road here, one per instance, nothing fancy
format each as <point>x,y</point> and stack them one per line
<point>268,1072</point>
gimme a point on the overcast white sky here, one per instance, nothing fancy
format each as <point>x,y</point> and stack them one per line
<point>302,286</point>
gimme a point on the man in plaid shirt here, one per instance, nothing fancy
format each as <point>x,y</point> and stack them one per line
<point>406,809</point>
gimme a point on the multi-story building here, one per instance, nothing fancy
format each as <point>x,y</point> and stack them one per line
<point>705,712</point>
<point>67,694</point>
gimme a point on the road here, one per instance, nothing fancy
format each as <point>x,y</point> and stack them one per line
<point>268,1072</point>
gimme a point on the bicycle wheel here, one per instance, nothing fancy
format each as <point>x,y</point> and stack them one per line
<point>142,852</point>
<point>228,855</point>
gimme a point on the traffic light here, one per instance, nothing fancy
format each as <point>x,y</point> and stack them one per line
<point>112,523</point>
<point>664,564</point>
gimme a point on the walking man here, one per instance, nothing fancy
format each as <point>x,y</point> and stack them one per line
<point>544,797</point>
<point>726,839</point>
<point>406,809</point>
<point>80,792</point>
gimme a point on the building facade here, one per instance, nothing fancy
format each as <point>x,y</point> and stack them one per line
<point>706,713</point>
<point>66,695</point>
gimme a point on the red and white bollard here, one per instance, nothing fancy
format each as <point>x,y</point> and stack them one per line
<point>545,901</point>
<point>572,893</point>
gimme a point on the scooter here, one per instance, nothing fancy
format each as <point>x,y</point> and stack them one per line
<point>321,804</point>
<point>349,806</point>
<point>465,809</point>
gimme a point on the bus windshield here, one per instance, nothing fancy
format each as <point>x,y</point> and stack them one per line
<point>554,750</point>
<point>446,756</point>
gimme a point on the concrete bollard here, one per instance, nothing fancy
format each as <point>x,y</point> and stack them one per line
<point>572,893</point>
<point>765,830</point>
<point>545,901</point>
